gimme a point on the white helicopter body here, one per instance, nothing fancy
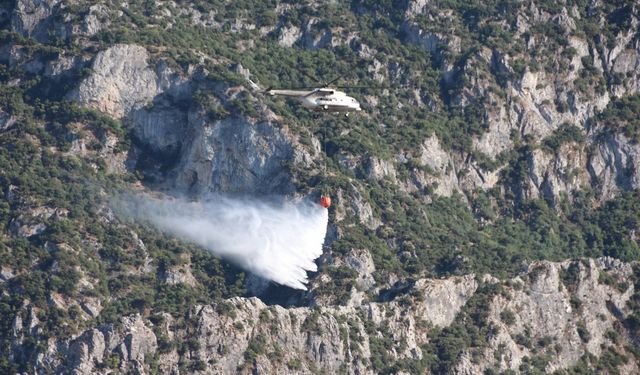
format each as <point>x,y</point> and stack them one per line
<point>321,99</point>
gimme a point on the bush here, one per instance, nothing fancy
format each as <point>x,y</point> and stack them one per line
<point>508,317</point>
<point>564,134</point>
<point>584,334</point>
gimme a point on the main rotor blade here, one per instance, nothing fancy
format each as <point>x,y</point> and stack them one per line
<point>294,88</point>
<point>362,87</point>
<point>334,80</point>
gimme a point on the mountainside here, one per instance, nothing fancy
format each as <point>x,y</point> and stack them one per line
<point>486,199</point>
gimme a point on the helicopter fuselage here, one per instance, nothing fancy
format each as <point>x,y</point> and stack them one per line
<point>322,99</point>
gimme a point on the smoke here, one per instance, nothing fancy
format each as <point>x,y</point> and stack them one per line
<point>277,241</point>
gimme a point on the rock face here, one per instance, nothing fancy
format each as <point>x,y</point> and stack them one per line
<point>199,134</point>
<point>104,350</point>
<point>34,18</point>
<point>616,164</point>
<point>121,80</point>
<point>562,309</point>
<point>443,299</point>
<point>234,154</point>
<point>533,102</point>
<point>34,221</point>
<point>567,307</point>
<point>288,36</point>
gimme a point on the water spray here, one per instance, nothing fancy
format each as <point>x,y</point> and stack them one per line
<point>278,241</point>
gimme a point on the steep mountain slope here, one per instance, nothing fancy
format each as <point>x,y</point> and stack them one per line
<point>505,145</point>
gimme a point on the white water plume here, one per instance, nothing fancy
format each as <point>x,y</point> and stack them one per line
<point>277,241</point>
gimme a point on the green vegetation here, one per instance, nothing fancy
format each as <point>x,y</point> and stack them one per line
<point>583,332</point>
<point>294,364</point>
<point>63,196</point>
<point>621,115</point>
<point>507,316</point>
<point>256,347</point>
<point>75,240</point>
<point>607,363</point>
<point>564,134</point>
<point>470,329</point>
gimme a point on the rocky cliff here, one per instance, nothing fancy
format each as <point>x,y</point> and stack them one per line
<point>486,199</point>
<point>550,317</point>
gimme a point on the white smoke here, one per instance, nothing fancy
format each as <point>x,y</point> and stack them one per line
<point>277,241</point>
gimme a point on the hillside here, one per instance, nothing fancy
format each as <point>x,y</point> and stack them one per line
<point>486,199</point>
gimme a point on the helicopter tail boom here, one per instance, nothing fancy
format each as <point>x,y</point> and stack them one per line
<point>290,93</point>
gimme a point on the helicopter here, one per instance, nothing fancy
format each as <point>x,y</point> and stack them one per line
<point>323,98</point>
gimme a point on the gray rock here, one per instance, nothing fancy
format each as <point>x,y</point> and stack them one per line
<point>64,67</point>
<point>121,81</point>
<point>179,275</point>
<point>85,352</point>
<point>362,262</point>
<point>96,20</point>
<point>438,168</point>
<point>416,7</point>
<point>551,175</point>
<point>543,310</point>
<point>378,169</point>
<point>333,339</point>
<point>289,35</point>
<point>161,128</point>
<point>615,165</point>
<point>315,37</point>
<point>363,210</point>
<point>6,274</point>
<point>34,18</point>
<point>443,299</point>
<point>91,306</point>
<point>427,40</point>
<point>6,121</point>
<point>140,340</point>
<point>31,222</point>
<point>235,155</point>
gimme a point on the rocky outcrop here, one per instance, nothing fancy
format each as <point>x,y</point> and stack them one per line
<point>121,81</point>
<point>443,299</point>
<point>180,274</point>
<point>578,82</point>
<point>232,154</point>
<point>289,35</point>
<point>35,18</point>
<point>569,307</point>
<point>378,169</point>
<point>201,134</point>
<point>101,144</point>
<point>235,155</point>
<point>439,163</point>
<point>104,349</point>
<point>562,309</point>
<point>316,36</point>
<point>615,164</point>
<point>553,173</point>
<point>6,274</point>
<point>517,102</point>
<point>95,20</point>
<point>34,221</point>
<point>362,262</point>
<point>6,121</point>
